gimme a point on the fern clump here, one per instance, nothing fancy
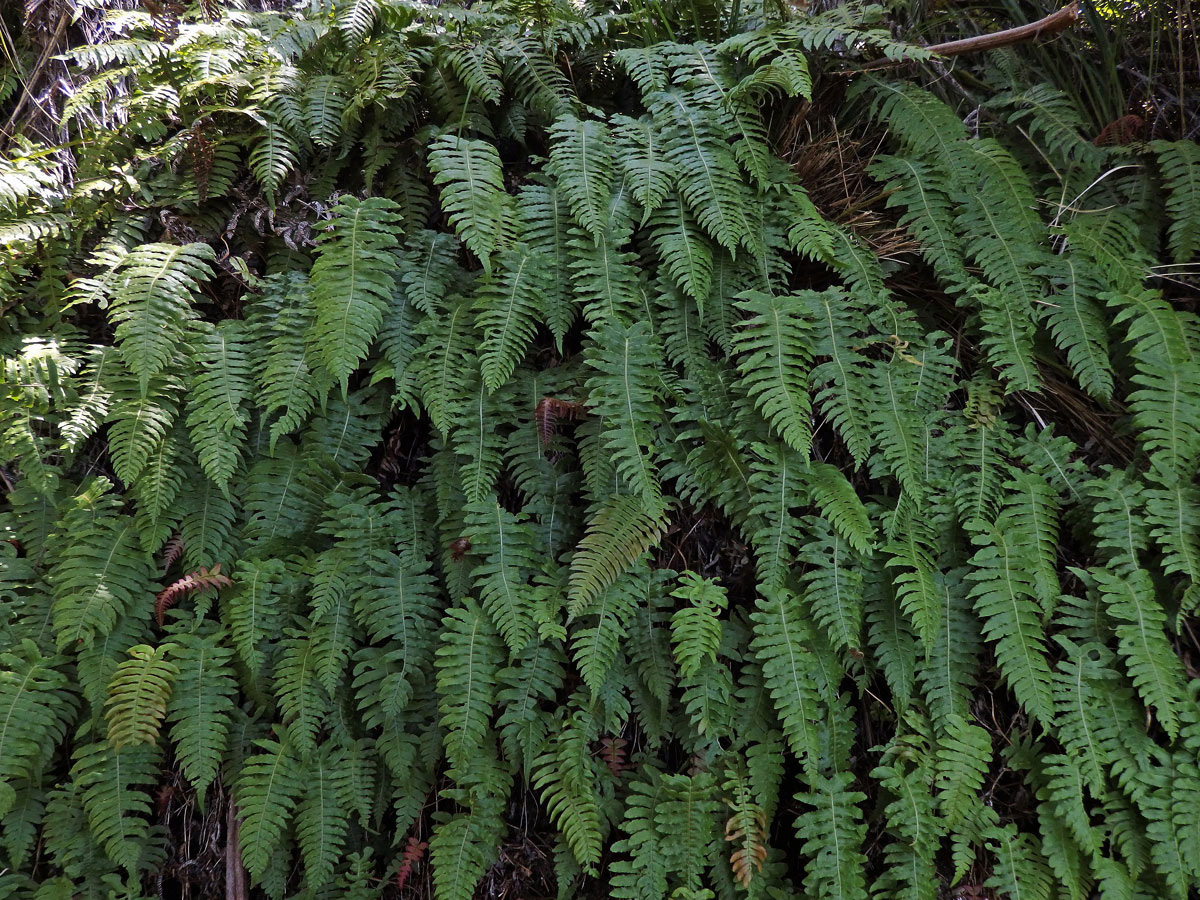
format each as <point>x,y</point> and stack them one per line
<point>473,448</point>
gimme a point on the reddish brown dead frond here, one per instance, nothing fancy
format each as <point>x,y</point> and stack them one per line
<point>459,547</point>
<point>413,853</point>
<point>549,411</point>
<point>172,550</point>
<point>749,833</point>
<point>614,754</point>
<point>1120,132</point>
<point>191,583</point>
<point>200,156</point>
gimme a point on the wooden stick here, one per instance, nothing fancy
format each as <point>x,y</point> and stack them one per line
<point>1056,22</point>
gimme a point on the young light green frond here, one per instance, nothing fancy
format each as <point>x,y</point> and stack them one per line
<point>138,694</point>
<point>352,281</point>
<point>473,195</point>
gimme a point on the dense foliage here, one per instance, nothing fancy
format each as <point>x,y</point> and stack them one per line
<point>463,428</point>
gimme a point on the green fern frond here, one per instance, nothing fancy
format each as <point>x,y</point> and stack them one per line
<point>509,305</point>
<point>201,705</point>
<point>322,815</point>
<point>773,345</point>
<point>267,789</point>
<point>620,531</point>
<point>582,165</point>
<point>138,695</point>
<point>35,710</point>
<point>833,834</point>
<point>1141,640</point>
<point>352,281</point>
<point>695,628</point>
<point>151,302</point>
<point>507,548</point>
<point>217,415</point>
<point>468,661</point>
<point>1005,596</point>
<point>472,182</point>
<point>1179,162</point>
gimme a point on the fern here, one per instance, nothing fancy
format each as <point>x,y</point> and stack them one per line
<point>352,281</point>
<point>137,696</point>
<point>833,837</point>
<point>152,300</point>
<point>468,661</point>
<point>267,791</point>
<point>1180,164</point>
<point>201,705</point>
<point>772,343</point>
<point>469,174</point>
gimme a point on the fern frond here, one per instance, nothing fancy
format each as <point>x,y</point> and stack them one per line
<point>620,531</point>
<point>624,392</point>
<point>216,400</point>
<point>833,833</point>
<point>1141,640</point>
<point>1179,162</point>
<point>509,304</point>
<point>473,195</point>
<point>507,547</point>
<point>582,165</point>
<point>468,661</point>
<point>201,705</point>
<point>352,281</point>
<point>36,708</point>
<point>781,645</point>
<point>695,629</point>
<point>151,302</point>
<point>773,347</point>
<point>270,783</point>
<point>115,796</point>
<point>322,815</point>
